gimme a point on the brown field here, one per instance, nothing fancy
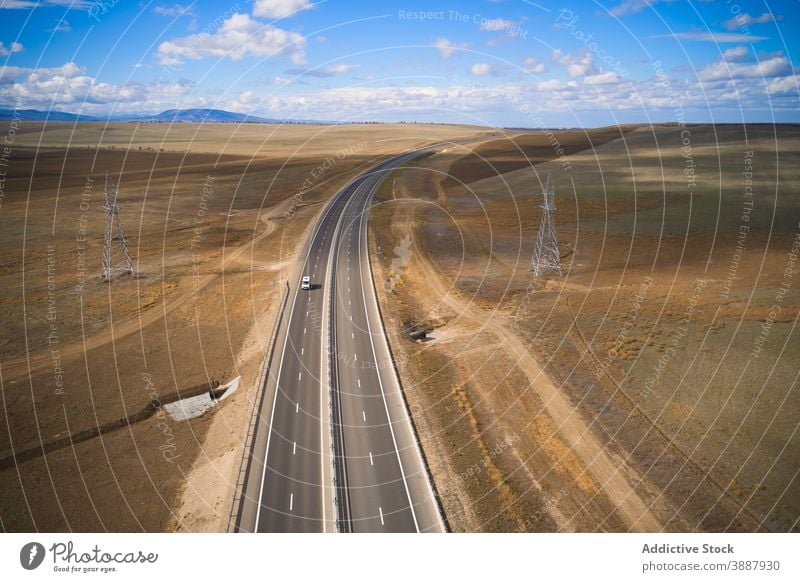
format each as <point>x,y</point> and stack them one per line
<point>653,386</point>
<point>86,365</point>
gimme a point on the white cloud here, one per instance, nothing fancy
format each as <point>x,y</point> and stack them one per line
<point>633,6</point>
<point>279,8</point>
<point>534,65</point>
<point>599,94</point>
<point>14,48</point>
<point>555,85</point>
<point>482,69</point>
<point>446,47</point>
<point>718,37</point>
<point>238,37</point>
<point>736,54</point>
<point>69,87</point>
<point>603,78</point>
<point>339,69</point>
<point>745,19</point>
<point>578,64</point>
<point>775,66</point>
<point>174,10</point>
<point>495,25</point>
<point>785,85</point>
<point>329,71</point>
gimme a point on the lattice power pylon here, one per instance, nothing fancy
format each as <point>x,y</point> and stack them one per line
<point>545,253</point>
<point>116,257</point>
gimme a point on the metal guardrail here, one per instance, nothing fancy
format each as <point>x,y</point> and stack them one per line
<point>238,496</point>
<point>341,498</point>
<point>437,499</point>
<point>342,515</point>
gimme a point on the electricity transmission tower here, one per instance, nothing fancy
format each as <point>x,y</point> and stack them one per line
<point>545,252</point>
<point>119,260</point>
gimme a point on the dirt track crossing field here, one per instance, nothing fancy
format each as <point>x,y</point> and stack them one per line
<point>625,395</point>
<point>214,215</point>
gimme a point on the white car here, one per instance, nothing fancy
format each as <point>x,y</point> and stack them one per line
<point>305,283</point>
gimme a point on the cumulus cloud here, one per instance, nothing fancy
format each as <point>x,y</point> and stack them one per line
<point>329,71</point>
<point>279,8</point>
<point>603,78</point>
<point>533,65</point>
<point>14,48</point>
<point>69,87</point>
<point>174,10</point>
<point>775,66</point>
<point>785,85</point>
<point>736,54</point>
<point>578,64</point>
<point>495,25</point>
<point>556,85</point>
<point>482,69</point>
<point>595,93</point>
<point>744,19</point>
<point>62,26</point>
<point>446,47</point>
<point>238,37</point>
<point>633,6</point>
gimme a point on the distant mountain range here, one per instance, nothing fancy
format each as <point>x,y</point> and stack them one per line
<point>36,115</point>
<point>169,116</point>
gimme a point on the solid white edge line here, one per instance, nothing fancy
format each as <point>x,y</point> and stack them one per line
<point>362,239</point>
<point>280,369</point>
<point>272,414</point>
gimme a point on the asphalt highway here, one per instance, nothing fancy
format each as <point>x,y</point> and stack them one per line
<point>334,448</point>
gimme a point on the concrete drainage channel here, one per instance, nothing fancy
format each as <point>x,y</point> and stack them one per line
<point>188,408</point>
<point>204,398</point>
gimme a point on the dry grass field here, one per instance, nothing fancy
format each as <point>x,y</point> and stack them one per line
<point>214,216</point>
<point>653,386</point>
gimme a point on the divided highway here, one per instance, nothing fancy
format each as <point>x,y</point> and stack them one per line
<point>334,448</point>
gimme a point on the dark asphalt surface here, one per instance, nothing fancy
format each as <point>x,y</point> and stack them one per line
<point>381,483</point>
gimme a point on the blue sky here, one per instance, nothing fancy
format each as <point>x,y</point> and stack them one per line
<point>505,63</point>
